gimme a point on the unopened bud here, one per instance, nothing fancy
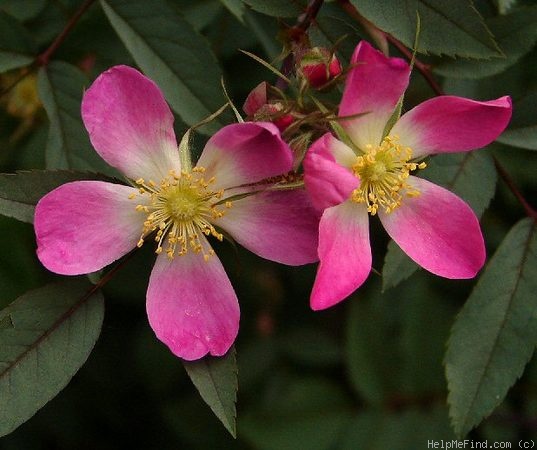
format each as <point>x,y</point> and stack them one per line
<point>318,66</point>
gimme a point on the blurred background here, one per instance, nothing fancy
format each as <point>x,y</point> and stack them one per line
<point>366,374</point>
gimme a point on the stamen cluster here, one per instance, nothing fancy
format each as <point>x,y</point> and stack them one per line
<point>180,208</point>
<point>383,173</point>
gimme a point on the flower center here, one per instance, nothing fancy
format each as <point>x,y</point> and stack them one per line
<point>383,172</point>
<point>179,209</point>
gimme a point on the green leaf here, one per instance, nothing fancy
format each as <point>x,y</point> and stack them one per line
<point>516,35</point>
<point>451,28</point>
<point>278,8</point>
<point>68,147</point>
<point>54,330</point>
<point>236,7</point>
<point>16,46</point>
<point>495,333</point>
<point>312,347</point>
<point>20,192</point>
<point>304,413</point>
<point>412,429</point>
<point>397,266</point>
<point>457,173</point>
<point>22,10</point>
<point>371,331</point>
<point>216,380</point>
<point>172,53</point>
<point>522,131</point>
<point>395,342</point>
<point>330,26</point>
<point>470,175</point>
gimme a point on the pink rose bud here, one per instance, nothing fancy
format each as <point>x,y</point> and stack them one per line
<point>318,66</point>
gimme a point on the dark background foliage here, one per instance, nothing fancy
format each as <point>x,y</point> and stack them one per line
<point>366,374</point>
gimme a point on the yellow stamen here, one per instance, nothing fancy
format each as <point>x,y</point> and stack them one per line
<point>180,209</point>
<point>383,172</point>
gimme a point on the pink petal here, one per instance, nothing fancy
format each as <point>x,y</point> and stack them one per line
<point>449,124</point>
<point>278,225</point>
<point>130,124</point>
<point>256,99</point>
<point>374,86</point>
<point>327,176</point>
<point>344,252</point>
<point>438,230</point>
<point>192,306</point>
<point>244,153</point>
<point>83,226</point>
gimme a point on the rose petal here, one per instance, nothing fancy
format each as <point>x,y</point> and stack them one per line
<point>244,153</point>
<point>373,86</point>
<point>130,124</point>
<point>192,306</point>
<point>449,124</point>
<point>278,225</point>
<point>344,252</point>
<point>327,176</point>
<point>438,230</point>
<point>83,226</point>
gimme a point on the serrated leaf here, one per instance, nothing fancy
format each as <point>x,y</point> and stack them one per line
<point>68,147</point>
<point>453,28</point>
<point>516,35</point>
<point>278,8</point>
<point>20,192</point>
<point>172,53</point>
<point>522,131</point>
<point>216,380</point>
<point>16,46</point>
<point>54,330</point>
<point>495,333</point>
<point>470,175</point>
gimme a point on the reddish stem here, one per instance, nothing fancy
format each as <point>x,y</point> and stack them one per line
<point>43,58</point>
<point>530,212</point>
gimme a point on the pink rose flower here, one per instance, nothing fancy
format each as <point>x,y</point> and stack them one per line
<point>371,174</point>
<point>83,226</point>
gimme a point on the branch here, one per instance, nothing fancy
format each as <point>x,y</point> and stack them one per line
<point>43,58</point>
<point>530,212</point>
